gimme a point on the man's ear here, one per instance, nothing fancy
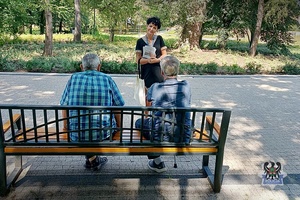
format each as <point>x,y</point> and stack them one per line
<point>99,67</point>
<point>81,67</point>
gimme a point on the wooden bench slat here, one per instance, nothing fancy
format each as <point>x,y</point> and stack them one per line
<point>197,135</point>
<point>125,135</point>
<point>109,150</point>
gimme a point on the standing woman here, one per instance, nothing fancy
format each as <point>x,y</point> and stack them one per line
<point>150,57</point>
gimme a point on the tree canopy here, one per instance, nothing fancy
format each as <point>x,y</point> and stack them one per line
<point>267,20</point>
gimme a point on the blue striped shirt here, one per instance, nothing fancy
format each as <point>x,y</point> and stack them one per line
<point>91,88</point>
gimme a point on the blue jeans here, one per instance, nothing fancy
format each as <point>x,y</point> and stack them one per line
<point>146,134</point>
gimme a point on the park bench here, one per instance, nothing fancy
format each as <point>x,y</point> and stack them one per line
<point>38,130</point>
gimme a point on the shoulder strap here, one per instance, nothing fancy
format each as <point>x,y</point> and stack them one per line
<point>139,68</point>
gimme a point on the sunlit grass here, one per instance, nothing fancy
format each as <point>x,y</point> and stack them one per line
<point>27,50</point>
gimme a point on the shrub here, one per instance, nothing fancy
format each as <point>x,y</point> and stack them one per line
<point>171,43</point>
<point>39,64</point>
<point>8,65</point>
<point>291,68</point>
<point>234,69</point>
<point>210,68</point>
<point>190,68</point>
<point>253,68</point>
<point>113,67</point>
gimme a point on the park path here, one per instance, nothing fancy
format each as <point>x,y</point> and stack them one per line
<point>264,126</point>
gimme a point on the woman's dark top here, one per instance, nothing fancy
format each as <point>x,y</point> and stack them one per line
<point>151,73</point>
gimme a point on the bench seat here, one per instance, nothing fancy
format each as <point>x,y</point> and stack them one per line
<point>37,130</point>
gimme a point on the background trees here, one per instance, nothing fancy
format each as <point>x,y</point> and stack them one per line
<point>266,20</point>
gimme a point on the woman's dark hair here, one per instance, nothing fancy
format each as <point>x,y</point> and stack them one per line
<point>155,21</point>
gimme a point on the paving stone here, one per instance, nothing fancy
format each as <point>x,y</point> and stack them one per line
<point>264,126</point>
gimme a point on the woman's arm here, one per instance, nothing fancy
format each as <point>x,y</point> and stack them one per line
<point>144,61</point>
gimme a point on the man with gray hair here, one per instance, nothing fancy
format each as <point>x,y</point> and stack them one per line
<point>170,93</point>
<point>91,88</point>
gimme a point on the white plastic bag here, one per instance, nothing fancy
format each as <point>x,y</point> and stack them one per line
<point>139,91</point>
<point>149,52</point>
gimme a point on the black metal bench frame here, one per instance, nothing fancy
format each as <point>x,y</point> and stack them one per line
<point>38,130</point>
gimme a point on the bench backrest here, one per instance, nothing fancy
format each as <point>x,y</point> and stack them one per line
<point>43,125</point>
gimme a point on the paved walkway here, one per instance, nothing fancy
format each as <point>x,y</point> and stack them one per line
<point>264,126</point>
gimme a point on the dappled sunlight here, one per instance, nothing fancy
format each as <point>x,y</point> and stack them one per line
<point>227,104</point>
<point>272,88</point>
<point>296,137</point>
<point>242,148</point>
<point>129,83</point>
<point>221,103</point>
<point>296,140</point>
<point>242,125</point>
<point>169,184</point>
<point>37,78</point>
<point>8,100</point>
<point>238,86</point>
<point>248,144</point>
<point>274,79</point>
<point>44,93</point>
<point>19,87</point>
<point>207,104</point>
<point>130,185</point>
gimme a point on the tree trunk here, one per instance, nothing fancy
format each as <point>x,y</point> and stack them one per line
<point>30,29</point>
<point>194,35</point>
<point>260,15</point>
<point>94,23</point>
<point>201,35</point>
<point>42,23</point>
<point>60,30</point>
<point>191,31</point>
<point>77,31</point>
<point>111,34</point>
<point>49,32</point>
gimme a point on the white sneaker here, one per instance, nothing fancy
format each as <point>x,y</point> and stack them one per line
<point>157,168</point>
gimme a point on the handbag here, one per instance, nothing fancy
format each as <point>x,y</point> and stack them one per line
<point>139,89</point>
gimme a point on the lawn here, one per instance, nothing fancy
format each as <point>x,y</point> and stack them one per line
<point>25,54</point>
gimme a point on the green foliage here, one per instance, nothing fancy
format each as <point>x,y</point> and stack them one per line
<point>25,54</point>
<point>234,69</point>
<point>208,44</point>
<point>112,67</point>
<point>52,64</point>
<point>190,68</point>
<point>253,68</point>
<point>7,65</point>
<point>210,68</point>
<point>291,68</point>
<point>171,43</point>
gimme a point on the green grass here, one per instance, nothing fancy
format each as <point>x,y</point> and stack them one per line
<point>25,54</point>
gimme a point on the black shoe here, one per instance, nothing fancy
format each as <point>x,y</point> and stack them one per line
<point>157,168</point>
<point>96,163</point>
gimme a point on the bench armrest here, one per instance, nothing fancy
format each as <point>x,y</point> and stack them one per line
<point>216,126</point>
<point>7,124</point>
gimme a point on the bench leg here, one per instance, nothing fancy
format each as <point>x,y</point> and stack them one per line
<point>205,162</point>
<point>218,173</point>
<point>3,180</point>
<point>215,179</point>
<point>206,171</point>
<point>7,181</point>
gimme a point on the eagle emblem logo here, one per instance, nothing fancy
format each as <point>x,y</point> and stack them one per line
<point>272,174</point>
<point>272,170</point>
